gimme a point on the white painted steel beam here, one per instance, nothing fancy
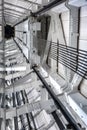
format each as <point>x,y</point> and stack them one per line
<point>27,108</point>
<point>23,86</point>
<point>9,53</point>
<point>79,104</point>
<point>17,68</point>
<point>16,55</point>
<point>15,61</point>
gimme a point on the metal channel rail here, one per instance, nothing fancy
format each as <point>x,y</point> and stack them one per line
<point>58,103</point>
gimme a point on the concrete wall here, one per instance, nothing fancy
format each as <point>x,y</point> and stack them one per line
<point>42,34</point>
<point>65,21</point>
<point>56,34</point>
<point>21,31</point>
<point>83,43</point>
<point>82,39</point>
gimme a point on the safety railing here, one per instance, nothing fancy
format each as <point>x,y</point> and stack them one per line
<point>70,57</point>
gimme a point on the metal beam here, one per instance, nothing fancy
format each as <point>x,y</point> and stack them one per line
<point>17,6</point>
<point>58,121</point>
<point>26,108</point>
<point>19,103</point>
<point>27,114</point>
<point>19,87</point>
<point>43,9</point>
<point>6,14</point>
<point>15,68</point>
<point>15,118</point>
<point>30,114</point>
<point>23,79</point>
<point>14,14</point>
<point>24,19</point>
<point>12,76</point>
<point>5,8</point>
<point>3,127</point>
<point>20,12</point>
<point>18,45</point>
<point>48,7</point>
<point>31,2</point>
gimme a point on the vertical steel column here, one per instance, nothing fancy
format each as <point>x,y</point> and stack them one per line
<point>27,115</point>
<point>31,113</point>
<point>57,55</point>
<point>3,23</point>
<point>58,121</point>
<point>3,127</point>
<point>19,104</point>
<point>15,118</point>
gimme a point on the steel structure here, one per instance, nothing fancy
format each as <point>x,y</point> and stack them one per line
<point>32,97</point>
